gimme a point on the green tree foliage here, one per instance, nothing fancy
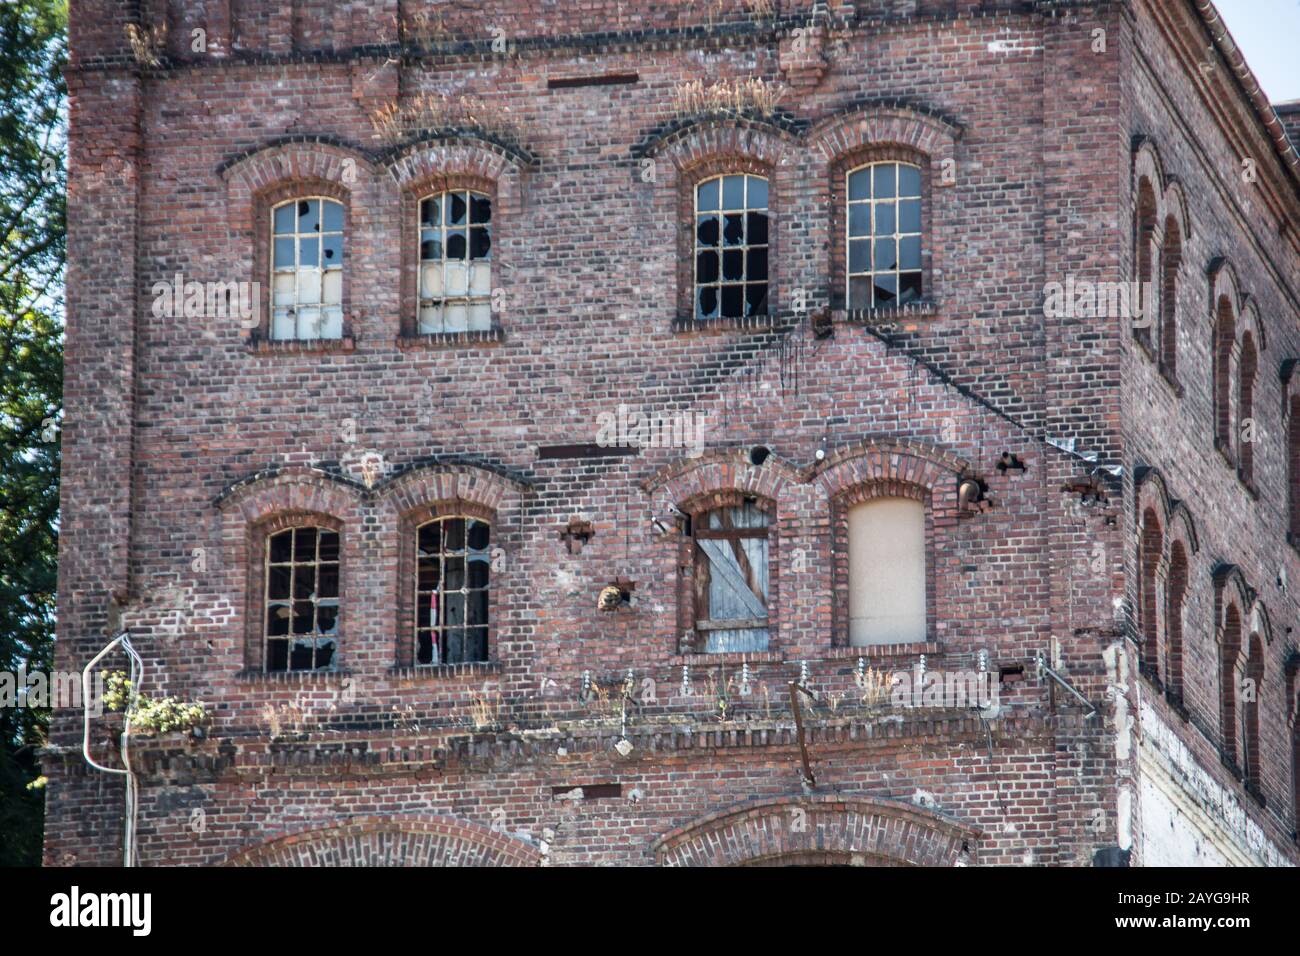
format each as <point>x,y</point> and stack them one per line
<point>32,181</point>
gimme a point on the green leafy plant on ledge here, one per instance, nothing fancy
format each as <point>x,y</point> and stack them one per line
<point>149,715</point>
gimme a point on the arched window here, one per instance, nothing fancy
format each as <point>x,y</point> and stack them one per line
<point>731,578</point>
<point>731,247</point>
<point>1176,597</point>
<point>307,269</point>
<point>1149,561</point>
<point>887,573</point>
<point>1172,258</point>
<point>451,591</point>
<point>1229,651</point>
<point>884,235</point>
<point>1252,688</point>
<point>302,599</point>
<point>1247,431</point>
<point>1145,239</point>
<point>1225,334</point>
<point>455,262</point>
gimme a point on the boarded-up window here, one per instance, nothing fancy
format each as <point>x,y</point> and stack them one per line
<point>731,578</point>
<point>886,571</point>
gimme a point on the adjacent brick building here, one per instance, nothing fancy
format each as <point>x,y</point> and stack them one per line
<point>405,527</point>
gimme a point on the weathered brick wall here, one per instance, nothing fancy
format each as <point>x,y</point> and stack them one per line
<point>224,432</point>
<point>1170,426</point>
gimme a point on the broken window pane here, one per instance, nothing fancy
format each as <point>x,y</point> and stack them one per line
<point>451,590</point>
<point>302,586</point>
<point>308,237</point>
<point>723,285</point>
<point>888,211</point>
<point>455,250</point>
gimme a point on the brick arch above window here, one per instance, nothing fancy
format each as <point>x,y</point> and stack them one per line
<point>862,137</point>
<point>318,161</point>
<point>844,829</point>
<point>891,464</point>
<point>705,149</point>
<point>1148,165</point>
<point>390,840</point>
<point>692,480</point>
<point>431,484</point>
<point>923,131</point>
<point>270,502</point>
<point>276,490</point>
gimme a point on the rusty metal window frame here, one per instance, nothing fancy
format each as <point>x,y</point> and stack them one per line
<point>875,236</point>
<point>746,208</point>
<point>321,639</point>
<point>435,639</point>
<point>291,310</point>
<point>434,313</point>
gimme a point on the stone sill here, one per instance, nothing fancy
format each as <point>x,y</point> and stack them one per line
<point>257,346</point>
<point>893,315</point>
<point>449,340</point>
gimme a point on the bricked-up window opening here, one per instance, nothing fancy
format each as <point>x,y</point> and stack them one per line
<point>1228,678</point>
<point>1247,431</point>
<point>731,578</point>
<point>455,262</point>
<point>1224,339</point>
<point>1250,752</point>
<point>451,591</point>
<point>731,247</point>
<point>1145,237</point>
<point>302,599</point>
<point>1177,596</point>
<point>884,235</point>
<point>307,269</point>
<point>1171,261</point>
<point>887,572</point>
<point>1149,599</point>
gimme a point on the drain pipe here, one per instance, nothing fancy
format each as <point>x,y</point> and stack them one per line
<point>137,673</point>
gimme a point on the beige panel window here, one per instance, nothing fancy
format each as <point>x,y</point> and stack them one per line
<point>456,262</point>
<point>307,269</point>
<point>886,572</point>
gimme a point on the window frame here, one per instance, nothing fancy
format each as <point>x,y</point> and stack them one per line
<point>438,631</point>
<point>688,615</point>
<point>271,271</point>
<point>840,581</point>
<point>445,190</point>
<point>696,249</point>
<point>258,537</point>
<point>406,647</point>
<point>871,237</point>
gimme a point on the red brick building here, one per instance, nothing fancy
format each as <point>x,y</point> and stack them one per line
<point>490,411</point>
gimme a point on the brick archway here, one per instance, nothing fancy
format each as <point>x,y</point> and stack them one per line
<point>800,830</point>
<point>392,841</point>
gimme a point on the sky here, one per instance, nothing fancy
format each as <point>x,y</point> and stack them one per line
<point>1268,32</point>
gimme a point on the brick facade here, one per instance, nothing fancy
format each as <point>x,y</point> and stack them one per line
<point>189,440</point>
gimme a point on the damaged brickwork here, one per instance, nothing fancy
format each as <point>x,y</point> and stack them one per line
<point>1065,474</point>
